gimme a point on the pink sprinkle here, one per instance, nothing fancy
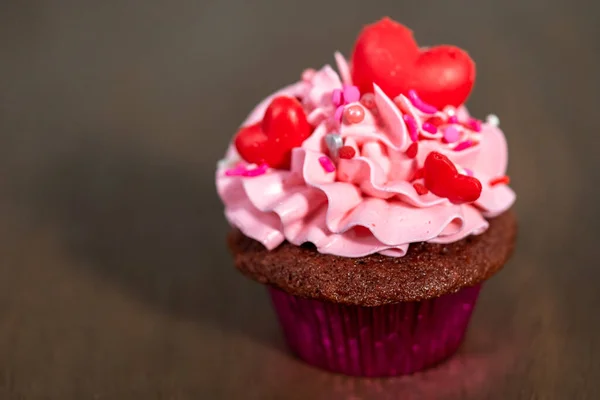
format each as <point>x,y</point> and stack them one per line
<point>351,94</point>
<point>326,164</point>
<point>463,145</point>
<point>453,119</point>
<point>429,127</point>
<point>412,127</point>
<point>420,104</point>
<point>336,97</point>
<point>468,172</point>
<point>451,134</point>
<point>261,169</point>
<point>339,112</point>
<point>475,124</point>
<point>237,171</point>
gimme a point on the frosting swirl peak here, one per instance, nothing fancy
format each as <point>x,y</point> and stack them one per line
<point>377,200</point>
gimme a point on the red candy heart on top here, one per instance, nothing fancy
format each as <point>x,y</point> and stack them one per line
<point>442,179</point>
<point>284,126</point>
<point>386,53</point>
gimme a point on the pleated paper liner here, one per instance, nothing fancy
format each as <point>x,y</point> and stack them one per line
<point>388,340</point>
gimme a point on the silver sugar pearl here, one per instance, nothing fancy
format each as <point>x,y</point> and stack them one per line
<point>334,142</point>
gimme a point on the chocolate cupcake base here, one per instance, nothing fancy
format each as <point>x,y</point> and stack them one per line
<point>428,270</point>
<point>377,315</point>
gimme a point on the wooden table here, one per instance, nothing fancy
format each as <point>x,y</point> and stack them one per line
<point>115,282</point>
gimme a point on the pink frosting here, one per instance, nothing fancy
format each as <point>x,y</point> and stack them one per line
<point>368,203</point>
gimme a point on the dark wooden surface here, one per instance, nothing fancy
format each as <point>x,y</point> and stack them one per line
<point>115,282</point>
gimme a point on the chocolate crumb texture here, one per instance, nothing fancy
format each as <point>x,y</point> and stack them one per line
<point>428,270</point>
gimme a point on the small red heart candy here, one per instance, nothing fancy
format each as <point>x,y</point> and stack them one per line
<point>385,53</point>
<point>442,179</point>
<point>284,126</point>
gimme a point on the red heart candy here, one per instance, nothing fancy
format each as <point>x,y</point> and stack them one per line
<point>284,126</point>
<point>442,179</point>
<point>386,53</point>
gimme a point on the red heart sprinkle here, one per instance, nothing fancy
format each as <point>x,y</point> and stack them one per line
<point>346,152</point>
<point>420,188</point>
<point>418,174</point>
<point>502,180</point>
<point>284,126</point>
<point>443,179</point>
<point>435,121</point>
<point>412,150</point>
<point>386,53</point>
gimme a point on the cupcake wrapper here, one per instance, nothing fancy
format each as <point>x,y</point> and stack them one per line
<point>388,340</point>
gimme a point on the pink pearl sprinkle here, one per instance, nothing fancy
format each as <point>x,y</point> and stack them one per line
<point>256,171</point>
<point>237,171</point>
<point>451,134</point>
<point>336,97</point>
<point>453,119</point>
<point>463,145</point>
<point>475,124</point>
<point>468,172</point>
<point>339,112</point>
<point>326,164</point>
<point>354,114</point>
<point>351,94</point>
<point>412,127</point>
<point>420,104</point>
<point>368,100</point>
<point>429,127</point>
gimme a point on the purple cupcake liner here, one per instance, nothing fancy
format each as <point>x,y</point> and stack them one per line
<point>388,340</point>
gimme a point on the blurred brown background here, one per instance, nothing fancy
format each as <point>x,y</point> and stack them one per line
<point>115,282</point>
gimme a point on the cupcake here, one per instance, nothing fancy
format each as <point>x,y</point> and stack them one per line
<point>371,204</point>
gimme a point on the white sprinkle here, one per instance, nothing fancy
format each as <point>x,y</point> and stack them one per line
<point>450,111</point>
<point>493,120</point>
